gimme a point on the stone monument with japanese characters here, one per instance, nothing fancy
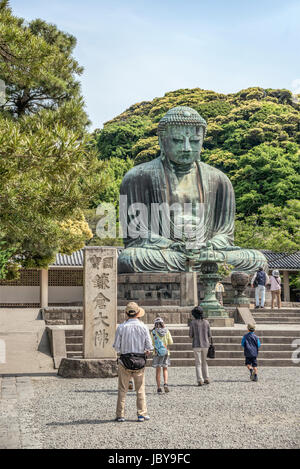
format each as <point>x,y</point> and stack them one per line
<point>99,317</point>
<point>100,302</point>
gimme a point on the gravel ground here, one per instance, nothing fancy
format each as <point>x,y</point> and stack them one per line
<point>232,412</point>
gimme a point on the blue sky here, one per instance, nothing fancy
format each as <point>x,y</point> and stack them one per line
<point>136,50</point>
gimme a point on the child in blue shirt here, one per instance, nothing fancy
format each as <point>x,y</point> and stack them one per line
<point>251,344</point>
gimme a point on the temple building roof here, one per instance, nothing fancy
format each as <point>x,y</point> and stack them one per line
<point>283,261</point>
<point>276,260</point>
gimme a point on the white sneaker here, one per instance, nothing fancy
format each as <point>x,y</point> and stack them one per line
<point>143,418</point>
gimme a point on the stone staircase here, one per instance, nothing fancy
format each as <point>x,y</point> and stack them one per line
<point>74,343</point>
<point>276,347</point>
<point>276,316</point>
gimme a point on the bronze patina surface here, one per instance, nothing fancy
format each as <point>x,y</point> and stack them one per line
<point>179,240</point>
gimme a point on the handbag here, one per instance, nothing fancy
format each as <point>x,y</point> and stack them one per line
<point>133,361</point>
<point>211,352</point>
<point>160,348</point>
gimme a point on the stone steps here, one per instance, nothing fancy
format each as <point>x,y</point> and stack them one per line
<point>178,350</point>
<point>267,347</point>
<point>276,347</point>
<point>182,348</point>
<point>283,362</point>
<point>234,354</point>
<point>277,321</point>
<point>273,310</point>
<point>237,340</point>
<point>74,347</point>
<point>276,315</point>
<point>74,355</point>
<point>228,332</point>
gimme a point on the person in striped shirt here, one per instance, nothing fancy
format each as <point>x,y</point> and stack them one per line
<point>132,343</point>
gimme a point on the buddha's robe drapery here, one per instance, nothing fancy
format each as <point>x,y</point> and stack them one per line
<point>153,248</point>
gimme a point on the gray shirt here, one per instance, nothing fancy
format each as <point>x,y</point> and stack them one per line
<point>200,333</point>
<point>132,337</point>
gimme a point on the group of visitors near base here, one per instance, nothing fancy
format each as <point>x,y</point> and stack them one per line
<point>134,343</point>
<point>259,280</point>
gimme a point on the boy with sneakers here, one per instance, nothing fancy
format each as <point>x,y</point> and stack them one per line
<point>251,344</point>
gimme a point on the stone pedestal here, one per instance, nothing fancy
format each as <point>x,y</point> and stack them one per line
<point>188,289</point>
<point>87,368</point>
<point>158,289</point>
<point>239,281</point>
<point>100,302</point>
<point>243,315</point>
<point>216,321</point>
<point>210,305</point>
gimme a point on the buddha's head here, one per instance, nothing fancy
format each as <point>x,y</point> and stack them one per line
<point>181,133</point>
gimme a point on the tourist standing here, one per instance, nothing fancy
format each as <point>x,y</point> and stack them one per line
<point>275,288</point>
<point>200,333</point>
<point>161,339</point>
<point>259,281</point>
<point>133,343</point>
<point>251,344</point>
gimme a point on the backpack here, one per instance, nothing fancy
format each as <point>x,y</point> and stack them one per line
<point>261,277</point>
<point>160,348</point>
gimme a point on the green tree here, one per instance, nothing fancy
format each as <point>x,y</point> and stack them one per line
<point>253,136</point>
<point>37,64</point>
<point>48,171</point>
<point>273,228</point>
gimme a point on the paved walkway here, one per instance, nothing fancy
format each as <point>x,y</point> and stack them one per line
<point>17,427</point>
<point>24,345</point>
<point>232,412</point>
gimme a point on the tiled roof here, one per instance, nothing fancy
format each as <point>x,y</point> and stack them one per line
<point>284,261</point>
<point>276,260</point>
<point>74,260</point>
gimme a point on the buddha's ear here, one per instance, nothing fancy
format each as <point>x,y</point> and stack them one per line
<point>162,154</point>
<point>161,141</point>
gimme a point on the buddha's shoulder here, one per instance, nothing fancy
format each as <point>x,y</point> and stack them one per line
<point>142,170</point>
<point>213,172</point>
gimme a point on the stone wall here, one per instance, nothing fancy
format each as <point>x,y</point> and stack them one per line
<point>68,315</point>
<point>62,315</point>
<point>149,289</point>
<point>156,289</point>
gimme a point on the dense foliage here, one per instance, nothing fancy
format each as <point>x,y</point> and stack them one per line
<point>48,172</point>
<point>253,136</point>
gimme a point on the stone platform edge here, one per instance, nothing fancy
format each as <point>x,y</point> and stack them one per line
<point>88,368</point>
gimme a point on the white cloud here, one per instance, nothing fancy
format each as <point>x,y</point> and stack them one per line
<point>296,86</point>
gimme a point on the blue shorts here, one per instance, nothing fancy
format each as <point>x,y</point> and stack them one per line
<point>251,361</point>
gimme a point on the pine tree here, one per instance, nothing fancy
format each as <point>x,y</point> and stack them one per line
<point>48,172</point>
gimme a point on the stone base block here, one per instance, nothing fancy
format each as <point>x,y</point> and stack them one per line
<point>88,368</point>
<point>220,322</point>
<point>244,316</point>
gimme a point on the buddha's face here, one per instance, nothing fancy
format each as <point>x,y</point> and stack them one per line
<point>182,144</point>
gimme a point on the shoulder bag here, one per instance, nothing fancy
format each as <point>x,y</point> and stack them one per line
<point>133,361</point>
<point>211,353</point>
